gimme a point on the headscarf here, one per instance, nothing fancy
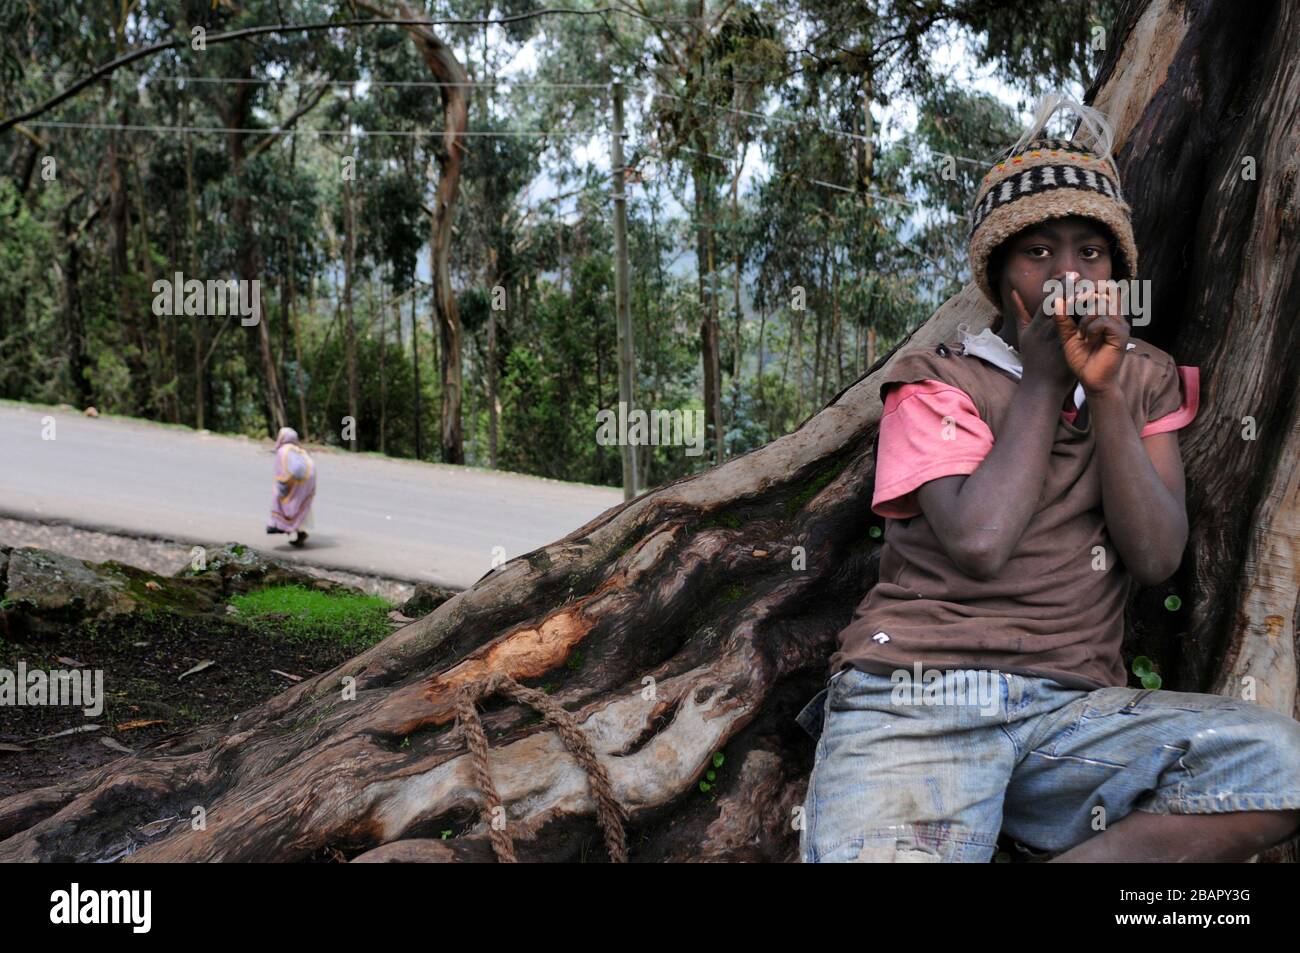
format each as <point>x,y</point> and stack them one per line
<point>286,435</point>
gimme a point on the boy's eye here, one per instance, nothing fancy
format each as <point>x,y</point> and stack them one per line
<point>1091,253</point>
<point>1038,251</point>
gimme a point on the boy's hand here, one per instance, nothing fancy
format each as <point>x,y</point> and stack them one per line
<point>1095,346</point>
<point>1040,348</point>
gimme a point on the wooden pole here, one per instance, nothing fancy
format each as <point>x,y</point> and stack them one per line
<point>622,306</point>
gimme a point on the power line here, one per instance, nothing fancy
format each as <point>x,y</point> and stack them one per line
<point>246,81</point>
<point>248,33</point>
<point>292,131</point>
<point>831,185</point>
<point>796,122</point>
<point>897,199</point>
<point>433,84</point>
<point>361,133</point>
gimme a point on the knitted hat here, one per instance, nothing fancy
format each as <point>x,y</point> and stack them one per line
<point>1041,178</point>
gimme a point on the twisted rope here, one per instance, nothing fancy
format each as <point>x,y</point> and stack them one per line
<point>609,812</point>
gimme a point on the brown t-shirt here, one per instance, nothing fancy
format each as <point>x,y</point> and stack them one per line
<point>1056,609</point>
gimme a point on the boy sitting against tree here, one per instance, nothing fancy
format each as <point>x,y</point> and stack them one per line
<point>1028,475</point>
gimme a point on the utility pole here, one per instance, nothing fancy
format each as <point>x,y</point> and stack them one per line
<point>622,307</point>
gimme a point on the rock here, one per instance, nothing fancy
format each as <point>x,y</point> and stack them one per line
<point>47,591</point>
<point>52,587</point>
<point>234,569</point>
<point>44,592</point>
<point>425,599</point>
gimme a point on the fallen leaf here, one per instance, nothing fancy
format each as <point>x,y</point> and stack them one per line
<point>760,553</point>
<point>292,678</point>
<point>11,749</point>
<point>71,662</point>
<point>205,664</point>
<point>138,723</point>
<point>115,745</point>
<point>152,585</point>
<point>70,731</point>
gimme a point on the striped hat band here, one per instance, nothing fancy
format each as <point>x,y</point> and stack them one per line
<point>1037,180</point>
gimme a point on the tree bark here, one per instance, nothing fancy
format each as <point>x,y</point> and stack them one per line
<point>415,363</point>
<point>192,255</point>
<point>442,62</point>
<point>675,626</point>
<point>236,116</point>
<point>383,354</point>
<point>349,316</point>
<point>709,345</point>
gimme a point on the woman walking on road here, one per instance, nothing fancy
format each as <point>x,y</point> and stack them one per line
<point>295,488</point>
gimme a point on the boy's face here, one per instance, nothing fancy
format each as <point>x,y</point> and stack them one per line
<point>1046,251</point>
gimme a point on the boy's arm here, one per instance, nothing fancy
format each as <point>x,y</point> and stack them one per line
<point>1141,478</point>
<point>1142,491</point>
<point>979,518</point>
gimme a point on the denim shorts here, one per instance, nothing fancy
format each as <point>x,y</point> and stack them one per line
<point>897,778</point>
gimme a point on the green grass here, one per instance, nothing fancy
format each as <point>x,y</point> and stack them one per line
<point>309,614</point>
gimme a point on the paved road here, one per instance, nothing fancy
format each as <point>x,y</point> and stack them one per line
<point>397,518</point>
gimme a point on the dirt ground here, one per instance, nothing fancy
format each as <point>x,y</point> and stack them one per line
<point>144,696</point>
<point>142,658</point>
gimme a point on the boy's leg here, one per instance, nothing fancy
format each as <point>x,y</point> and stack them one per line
<point>904,783</point>
<point>1132,774</point>
<point>1230,837</point>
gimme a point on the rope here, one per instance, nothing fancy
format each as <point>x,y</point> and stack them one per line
<point>609,812</point>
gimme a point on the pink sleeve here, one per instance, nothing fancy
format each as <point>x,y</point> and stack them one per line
<point>928,430</point>
<point>1189,380</point>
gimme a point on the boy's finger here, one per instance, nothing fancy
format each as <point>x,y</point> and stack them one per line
<point>1083,314</point>
<point>1065,326</point>
<point>1089,328</point>
<point>1022,314</point>
<point>1113,331</point>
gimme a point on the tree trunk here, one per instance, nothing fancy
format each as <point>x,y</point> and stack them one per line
<point>674,626</point>
<point>191,212</point>
<point>74,315</point>
<point>415,364</point>
<point>292,310</point>
<point>383,354</point>
<point>349,316</point>
<point>737,343</point>
<point>237,117</point>
<point>708,286</point>
<point>297,351</point>
<point>442,62</point>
